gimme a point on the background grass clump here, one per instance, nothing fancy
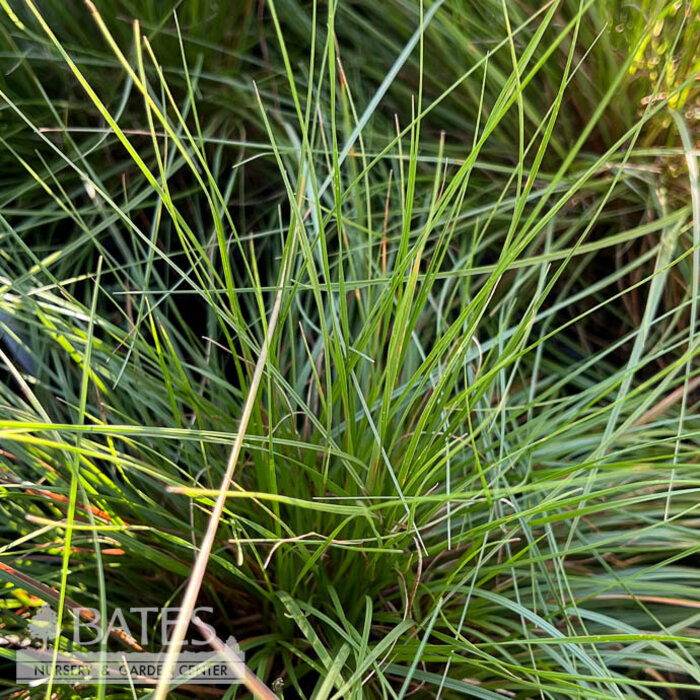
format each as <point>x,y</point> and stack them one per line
<point>470,467</point>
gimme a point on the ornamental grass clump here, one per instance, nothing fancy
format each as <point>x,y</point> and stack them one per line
<point>369,328</point>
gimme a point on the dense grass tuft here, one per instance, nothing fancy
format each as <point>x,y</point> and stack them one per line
<point>458,240</point>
